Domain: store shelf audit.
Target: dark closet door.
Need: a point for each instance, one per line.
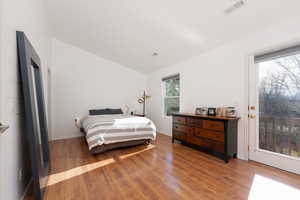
(35, 113)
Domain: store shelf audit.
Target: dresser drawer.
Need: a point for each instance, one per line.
(179, 120)
(213, 135)
(179, 135)
(194, 122)
(213, 125)
(182, 128)
(206, 143)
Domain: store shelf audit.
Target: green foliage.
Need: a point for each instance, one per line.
(171, 105)
(171, 100)
(172, 88)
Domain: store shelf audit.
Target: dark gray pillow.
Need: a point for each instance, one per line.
(107, 111)
(115, 111)
(98, 112)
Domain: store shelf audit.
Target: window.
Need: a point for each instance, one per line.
(279, 101)
(171, 86)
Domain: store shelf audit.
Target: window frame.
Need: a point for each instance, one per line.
(164, 95)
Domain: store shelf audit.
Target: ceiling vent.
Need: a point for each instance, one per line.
(234, 7)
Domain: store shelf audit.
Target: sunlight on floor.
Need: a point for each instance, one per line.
(150, 146)
(62, 176)
(265, 188)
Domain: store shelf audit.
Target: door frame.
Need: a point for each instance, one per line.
(250, 63)
(49, 102)
(2, 171)
(2, 93)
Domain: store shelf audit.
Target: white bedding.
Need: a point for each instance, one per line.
(107, 129)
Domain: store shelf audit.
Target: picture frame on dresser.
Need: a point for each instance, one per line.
(211, 112)
(215, 135)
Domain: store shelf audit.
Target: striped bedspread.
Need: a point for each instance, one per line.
(107, 129)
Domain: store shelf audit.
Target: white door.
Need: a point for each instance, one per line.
(274, 110)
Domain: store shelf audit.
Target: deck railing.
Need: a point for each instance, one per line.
(280, 134)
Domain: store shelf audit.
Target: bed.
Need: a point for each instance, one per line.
(109, 131)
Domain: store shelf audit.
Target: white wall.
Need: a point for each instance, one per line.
(28, 16)
(2, 154)
(219, 77)
(82, 81)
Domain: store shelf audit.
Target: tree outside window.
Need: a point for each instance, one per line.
(171, 95)
(279, 105)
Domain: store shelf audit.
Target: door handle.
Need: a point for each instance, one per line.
(252, 116)
(251, 107)
(3, 127)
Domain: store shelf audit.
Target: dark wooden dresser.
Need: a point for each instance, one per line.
(212, 134)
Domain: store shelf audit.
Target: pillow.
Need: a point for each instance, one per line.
(99, 112)
(115, 111)
(107, 111)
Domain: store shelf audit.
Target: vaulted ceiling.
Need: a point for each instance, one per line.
(130, 31)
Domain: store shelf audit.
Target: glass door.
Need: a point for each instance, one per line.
(274, 111)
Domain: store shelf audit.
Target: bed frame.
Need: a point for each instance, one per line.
(117, 145)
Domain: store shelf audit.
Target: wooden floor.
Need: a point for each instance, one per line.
(160, 171)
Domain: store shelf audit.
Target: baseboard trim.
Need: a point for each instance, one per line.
(66, 137)
(164, 133)
(26, 189)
